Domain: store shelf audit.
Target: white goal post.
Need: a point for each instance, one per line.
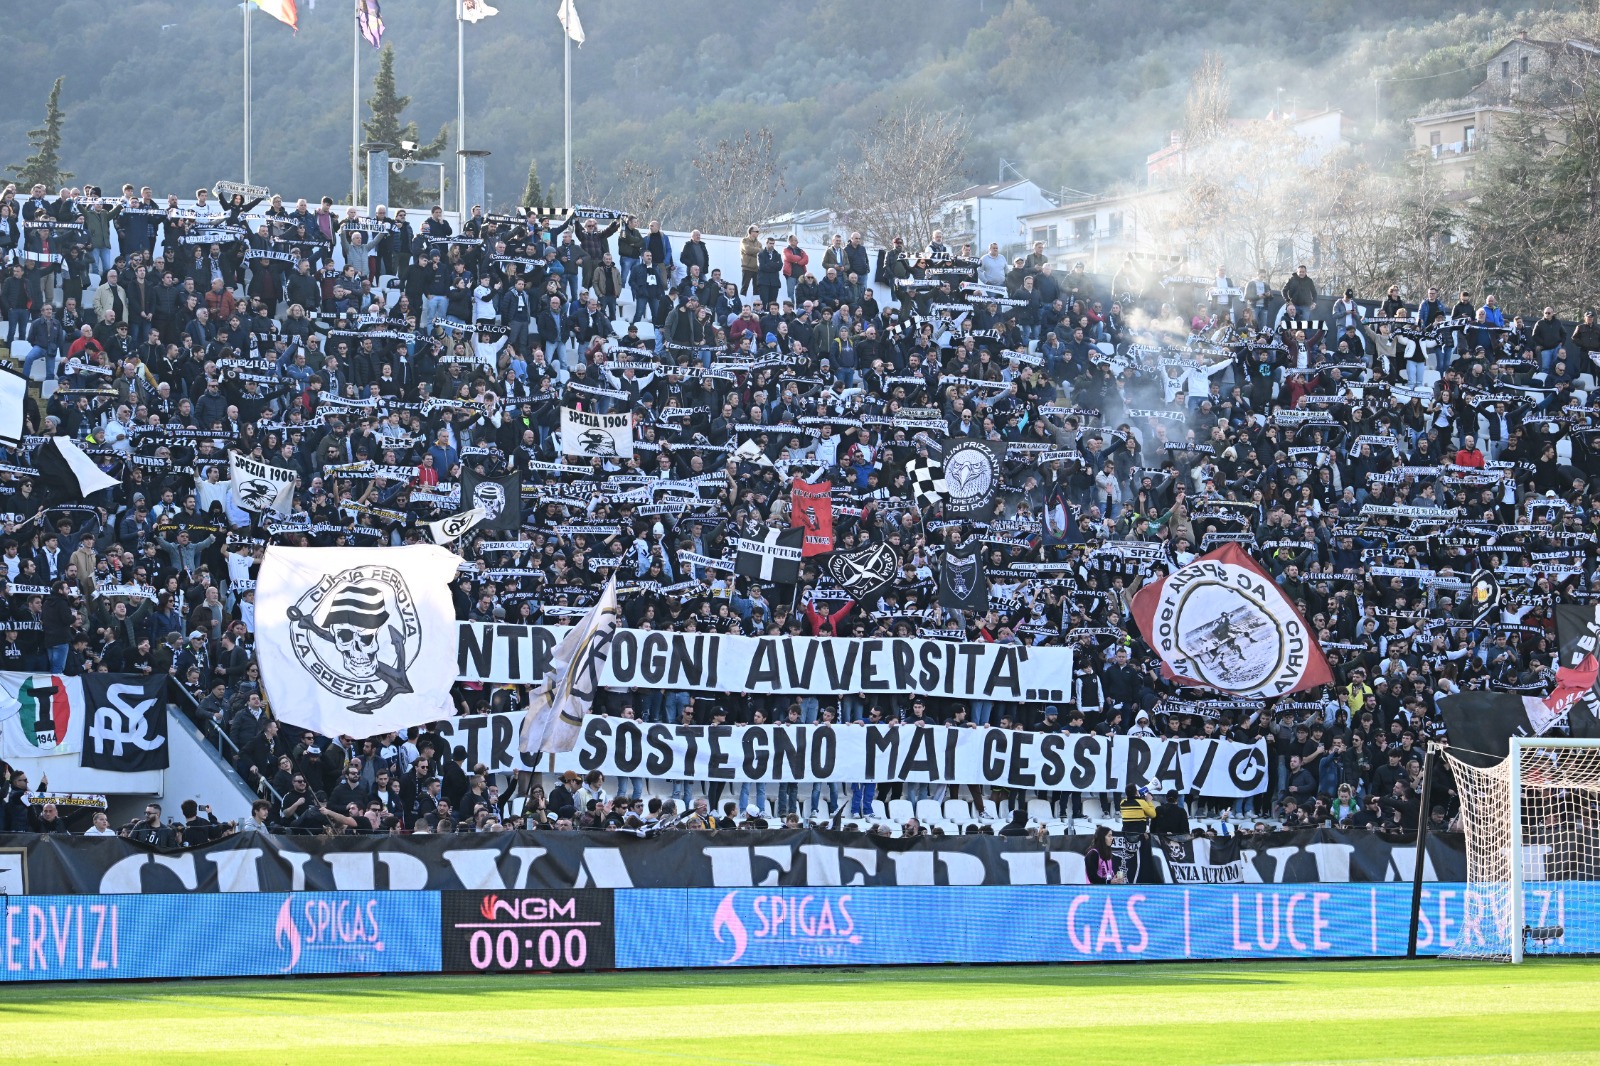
(1532, 825)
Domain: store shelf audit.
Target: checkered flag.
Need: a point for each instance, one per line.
(927, 480)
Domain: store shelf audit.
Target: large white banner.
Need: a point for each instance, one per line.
(850, 754)
(710, 662)
(357, 640)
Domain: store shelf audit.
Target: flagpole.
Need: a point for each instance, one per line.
(461, 114)
(566, 38)
(247, 6)
(355, 106)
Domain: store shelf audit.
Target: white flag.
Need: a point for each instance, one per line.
(474, 10)
(554, 718)
(13, 402)
(446, 530)
(570, 21)
(585, 434)
(259, 486)
(357, 641)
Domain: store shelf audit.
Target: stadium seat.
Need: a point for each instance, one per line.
(929, 811)
(879, 811)
(900, 810)
(958, 810)
(1039, 810)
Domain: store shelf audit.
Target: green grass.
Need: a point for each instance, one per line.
(1544, 1013)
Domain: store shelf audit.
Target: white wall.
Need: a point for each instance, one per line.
(198, 773)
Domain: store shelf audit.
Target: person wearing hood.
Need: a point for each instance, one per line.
(1141, 725)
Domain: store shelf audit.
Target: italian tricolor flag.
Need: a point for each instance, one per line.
(282, 10)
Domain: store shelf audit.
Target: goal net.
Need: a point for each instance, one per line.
(1532, 824)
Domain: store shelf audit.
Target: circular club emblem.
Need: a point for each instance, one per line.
(357, 632)
(491, 496)
(1227, 627)
(970, 475)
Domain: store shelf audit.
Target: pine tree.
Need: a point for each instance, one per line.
(43, 167)
(386, 105)
(533, 193)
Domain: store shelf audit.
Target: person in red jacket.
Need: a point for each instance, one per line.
(1469, 455)
(826, 626)
(795, 260)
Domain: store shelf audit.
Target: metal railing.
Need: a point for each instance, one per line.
(216, 735)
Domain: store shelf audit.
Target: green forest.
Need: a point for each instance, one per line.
(1073, 95)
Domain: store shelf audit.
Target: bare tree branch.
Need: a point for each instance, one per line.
(905, 166)
(739, 181)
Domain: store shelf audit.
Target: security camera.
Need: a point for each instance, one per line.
(408, 146)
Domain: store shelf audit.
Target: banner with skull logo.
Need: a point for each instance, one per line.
(500, 499)
(357, 640)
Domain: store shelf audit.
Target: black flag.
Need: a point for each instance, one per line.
(865, 572)
(1480, 725)
(500, 498)
(125, 722)
(963, 586)
(772, 558)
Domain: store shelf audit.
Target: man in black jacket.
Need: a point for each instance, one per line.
(1170, 817)
(1548, 335)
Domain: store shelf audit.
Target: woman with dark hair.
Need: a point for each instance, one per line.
(1100, 862)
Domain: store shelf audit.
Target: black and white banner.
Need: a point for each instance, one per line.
(58, 864)
(356, 641)
(500, 499)
(773, 558)
(260, 487)
(865, 572)
(1201, 860)
(1047, 762)
(501, 653)
(125, 722)
(963, 586)
(585, 434)
(972, 477)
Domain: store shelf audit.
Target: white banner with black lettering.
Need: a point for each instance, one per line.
(710, 662)
(850, 754)
(585, 434)
(259, 486)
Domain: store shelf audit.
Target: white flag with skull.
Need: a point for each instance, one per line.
(357, 641)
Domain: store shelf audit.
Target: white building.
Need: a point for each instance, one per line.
(992, 214)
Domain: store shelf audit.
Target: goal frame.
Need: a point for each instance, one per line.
(1518, 894)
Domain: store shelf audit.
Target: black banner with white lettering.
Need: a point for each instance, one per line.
(56, 864)
(125, 722)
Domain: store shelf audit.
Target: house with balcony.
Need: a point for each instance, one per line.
(1456, 133)
(981, 215)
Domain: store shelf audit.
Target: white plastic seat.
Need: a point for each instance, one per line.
(900, 811)
(1039, 810)
(878, 811)
(957, 810)
(929, 812)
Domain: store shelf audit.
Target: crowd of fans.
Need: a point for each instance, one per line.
(1145, 419)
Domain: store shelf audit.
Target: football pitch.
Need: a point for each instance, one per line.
(1545, 1012)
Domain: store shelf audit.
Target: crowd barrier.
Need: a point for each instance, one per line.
(53, 938)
